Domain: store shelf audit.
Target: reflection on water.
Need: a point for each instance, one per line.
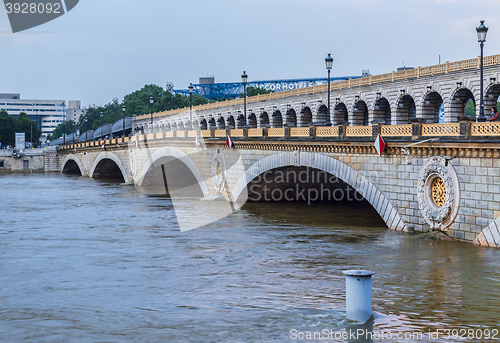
(92, 261)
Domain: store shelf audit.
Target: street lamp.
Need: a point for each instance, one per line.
(123, 109)
(481, 38)
(101, 126)
(244, 79)
(190, 87)
(151, 101)
(329, 64)
(64, 124)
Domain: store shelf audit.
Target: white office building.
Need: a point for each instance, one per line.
(47, 114)
(75, 110)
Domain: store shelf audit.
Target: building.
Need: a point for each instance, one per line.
(47, 114)
(75, 110)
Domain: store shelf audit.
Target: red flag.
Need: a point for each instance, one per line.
(229, 142)
(379, 144)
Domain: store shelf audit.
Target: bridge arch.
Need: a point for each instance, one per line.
(431, 106)
(382, 111)
(230, 122)
(252, 121)
(203, 124)
(349, 175)
(359, 114)
(211, 123)
(70, 163)
(458, 102)
(263, 119)
(340, 113)
(221, 123)
(171, 152)
(321, 113)
(491, 97)
(105, 159)
(291, 117)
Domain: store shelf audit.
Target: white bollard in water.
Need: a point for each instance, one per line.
(358, 294)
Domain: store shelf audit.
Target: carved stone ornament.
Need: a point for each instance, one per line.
(133, 163)
(438, 192)
(219, 171)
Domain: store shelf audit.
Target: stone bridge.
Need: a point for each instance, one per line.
(450, 183)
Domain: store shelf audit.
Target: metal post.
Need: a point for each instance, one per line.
(481, 118)
(358, 295)
(123, 109)
(328, 122)
(101, 126)
(191, 109)
(244, 104)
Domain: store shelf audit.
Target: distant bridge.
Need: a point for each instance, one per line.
(233, 90)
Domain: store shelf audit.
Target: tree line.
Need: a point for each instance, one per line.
(10, 125)
(137, 103)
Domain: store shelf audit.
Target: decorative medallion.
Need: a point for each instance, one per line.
(219, 171)
(438, 192)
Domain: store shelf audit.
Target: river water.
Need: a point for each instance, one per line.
(83, 260)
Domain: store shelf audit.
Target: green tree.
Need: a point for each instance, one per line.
(7, 129)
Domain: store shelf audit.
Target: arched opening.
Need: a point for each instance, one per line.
(462, 104)
(230, 122)
(382, 111)
(340, 113)
(108, 169)
(203, 124)
(263, 120)
(221, 123)
(180, 126)
(305, 117)
(491, 99)
(211, 124)
(276, 119)
(291, 117)
(431, 107)
(252, 121)
(406, 110)
(169, 176)
(71, 167)
(360, 114)
(320, 118)
(240, 121)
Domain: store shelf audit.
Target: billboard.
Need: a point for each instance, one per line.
(20, 141)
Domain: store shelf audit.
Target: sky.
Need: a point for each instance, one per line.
(105, 49)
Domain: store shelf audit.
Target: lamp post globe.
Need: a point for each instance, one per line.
(481, 30)
(329, 65)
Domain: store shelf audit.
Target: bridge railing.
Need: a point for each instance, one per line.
(444, 68)
(464, 130)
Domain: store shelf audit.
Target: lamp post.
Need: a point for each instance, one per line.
(329, 64)
(481, 38)
(244, 79)
(151, 101)
(123, 109)
(101, 126)
(190, 87)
